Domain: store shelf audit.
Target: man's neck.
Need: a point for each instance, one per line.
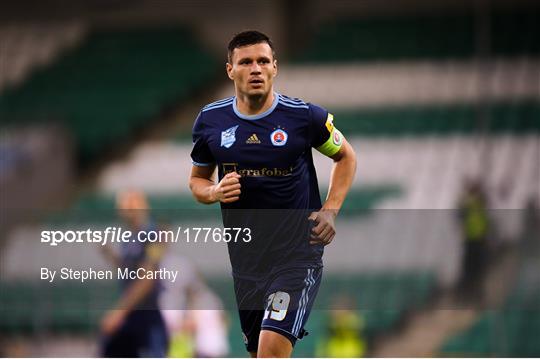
(254, 105)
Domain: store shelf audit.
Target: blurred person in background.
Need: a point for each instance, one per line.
(261, 143)
(344, 333)
(135, 327)
(194, 315)
(474, 222)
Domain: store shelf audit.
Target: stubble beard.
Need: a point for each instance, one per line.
(258, 96)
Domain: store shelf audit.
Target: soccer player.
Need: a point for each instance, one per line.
(261, 141)
(135, 328)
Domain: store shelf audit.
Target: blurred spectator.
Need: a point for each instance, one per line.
(344, 337)
(135, 328)
(194, 315)
(474, 222)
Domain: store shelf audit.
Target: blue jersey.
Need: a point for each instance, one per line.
(133, 254)
(272, 151)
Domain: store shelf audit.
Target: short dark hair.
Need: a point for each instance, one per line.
(245, 38)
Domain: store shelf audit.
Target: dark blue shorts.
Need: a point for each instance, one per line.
(281, 304)
(143, 334)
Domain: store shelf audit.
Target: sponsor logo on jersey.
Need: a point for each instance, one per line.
(279, 137)
(228, 137)
(330, 123)
(253, 140)
(257, 172)
(229, 167)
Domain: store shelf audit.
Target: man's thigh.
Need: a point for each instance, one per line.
(250, 302)
(289, 299)
(281, 305)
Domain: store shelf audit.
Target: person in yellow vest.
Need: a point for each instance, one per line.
(344, 337)
(474, 220)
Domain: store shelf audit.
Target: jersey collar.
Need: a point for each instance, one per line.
(259, 115)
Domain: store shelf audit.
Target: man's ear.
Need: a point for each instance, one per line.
(228, 68)
(275, 68)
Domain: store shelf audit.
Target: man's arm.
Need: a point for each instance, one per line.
(205, 190)
(135, 294)
(110, 255)
(341, 178)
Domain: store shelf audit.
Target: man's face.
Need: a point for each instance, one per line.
(132, 208)
(252, 69)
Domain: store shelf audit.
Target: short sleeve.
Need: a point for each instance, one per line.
(200, 154)
(319, 131)
(324, 136)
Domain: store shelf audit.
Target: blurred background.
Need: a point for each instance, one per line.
(437, 251)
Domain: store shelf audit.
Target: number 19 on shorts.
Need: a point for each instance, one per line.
(277, 306)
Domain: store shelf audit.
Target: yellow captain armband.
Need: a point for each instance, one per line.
(333, 144)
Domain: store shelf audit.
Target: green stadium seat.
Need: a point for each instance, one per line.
(74, 308)
(510, 331)
(418, 37)
(511, 118)
(111, 85)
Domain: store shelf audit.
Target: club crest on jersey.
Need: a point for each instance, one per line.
(279, 137)
(228, 137)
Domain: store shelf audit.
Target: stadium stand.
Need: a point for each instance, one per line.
(36, 166)
(504, 332)
(429, 159)
(362, 199)
(512, 329)
(405, 91)
(425, 37)
(26, 48)
(383, 298)
(509, 119)
(412, 83)
(109, 86)
(66, 308)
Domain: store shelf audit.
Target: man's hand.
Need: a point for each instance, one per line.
(228, 189)
(325, 229)
(112, 321)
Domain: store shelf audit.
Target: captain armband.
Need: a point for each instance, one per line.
(333, 144)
